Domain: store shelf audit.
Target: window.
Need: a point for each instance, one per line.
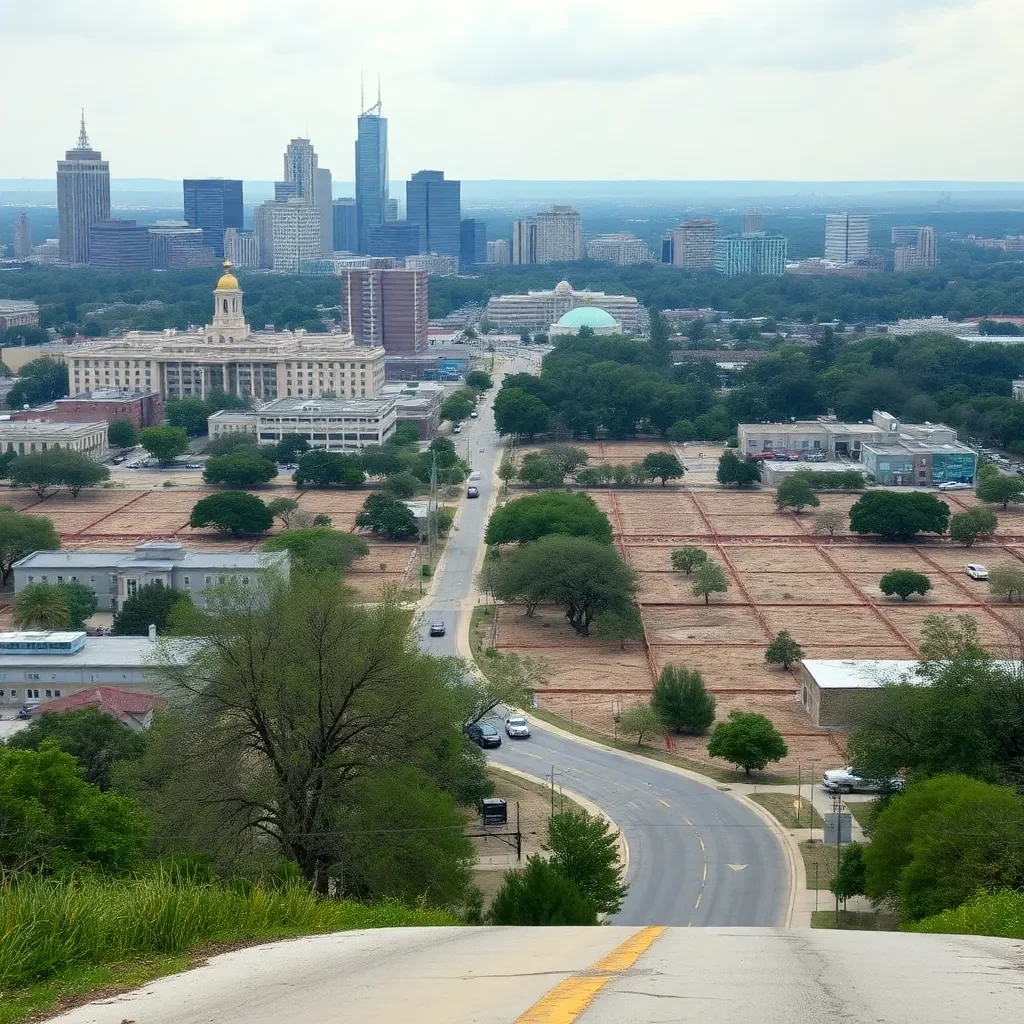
(32, 694)
(131, 586)
(45, 579)
(208, 581)
(49, 693)
(60, 579)
(14, 693)
(56, 693)
(92, 580)
(186, 582)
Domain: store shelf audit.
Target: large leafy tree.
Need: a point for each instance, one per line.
(319, 468)
(20, 535)
(319, 547)
(150, 605)
(899, 516)
(520, 413)
(734, 470)
(56, 468)
(387, 517)
(246, 468)
(709, 579)
(584, 849)
(234, 512)
(904, 582)
(748, 740)
(458, 405)
(122, 434)
(54, 606)
(795, 493)
(783, 650)
(39, 381)
(682, 702)
(685, 560)
(663, 466)
(190, 414)
(998, 489)
(540, 515)
(967, 527)
(165, 444)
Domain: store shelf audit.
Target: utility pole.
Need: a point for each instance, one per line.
(552, 778)
(431, 509)
(837, 807)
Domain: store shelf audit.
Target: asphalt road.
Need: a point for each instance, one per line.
(590, 976)
(697, 856)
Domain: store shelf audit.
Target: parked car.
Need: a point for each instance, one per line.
(483, 735)
(473, 415)
(517, 727)
(849, 780)
(816, 456)
(763, 455)
(977, 572)
(954, 485)
(437, 629)
(24, 713)
(475, 475)
(457, 429)
(472, 492)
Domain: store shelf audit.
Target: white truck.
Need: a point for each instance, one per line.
(850, 780)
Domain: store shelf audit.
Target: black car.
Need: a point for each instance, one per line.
(472, 492)
(483, 735)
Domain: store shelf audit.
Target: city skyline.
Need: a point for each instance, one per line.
(758, 77)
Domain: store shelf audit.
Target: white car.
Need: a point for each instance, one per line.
(954, 485)
(517, 727)
(977, 572)
(848, 780)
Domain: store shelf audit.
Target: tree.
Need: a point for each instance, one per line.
(967, 527)
(55, 822)
(39, 381)
(795, 492)
(851, 878)
(682, 702)
(663, 466)
(284, 509)
(234, 512)
(507, 470)
(122, 434)
(828, 520)
(640, 720)
(539, 471)
(709, 579)
(1007, 581)
(734, 470)
(942, 840)
(165, 444)
(405, 435)
(225, 444)
(511, 681)
(584, 850)
(381, 460)
(319, 468)
(904, 582)
(566, 458)
(217, 399)
(685, 560)
(458, 405)
(20, 535)
(998, 489)
(441, 519)
(387, 517)
(519, 413)
(896, 516)
(541, 515)
(443, 450)
(319, 548)
(480, 380)
(748, 740)
(245, 468)
(783, 650)
(540, 895)
(42, 606)
(56, 468)
(620, 627)
(190, 414)
(402, 485)
(150, 605)
(290, 447)
(92, 737)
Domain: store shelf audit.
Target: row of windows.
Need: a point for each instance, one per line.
(106, 362)
(32, 694)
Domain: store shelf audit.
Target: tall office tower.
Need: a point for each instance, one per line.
(242, 248)
(83, 197)
(922, 255)
(846, 237)
(386, 307)
(622, 248)
(391, 210)
(285, 190)
(22, 235)
(473, 242)
(120, 245)
(213, 204)
(262, 228)
(905, 235)
(751, 253)
(693, 244)
(524, 241)
(346, 231)
(294, 234)
(324, 203)
(667, 248)
(434, 206)
(753, 221)
(300, 167)
(559, 235)
(927, 248)
(371, 172)
(498, 252)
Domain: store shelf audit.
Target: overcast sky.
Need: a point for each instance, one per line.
(681, 89)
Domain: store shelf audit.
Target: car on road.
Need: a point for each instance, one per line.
(473, 415)
(475, 475)
(483, 735)
(457, 429)
(517, 727)
(437, 629)
(850, 780)
(976, 571)
(483, 449)
(954, 485)
(472, 492)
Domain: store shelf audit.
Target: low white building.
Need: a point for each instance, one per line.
(27, 437)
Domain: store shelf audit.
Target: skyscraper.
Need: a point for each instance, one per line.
(394, 238)
(473, 243)
(750, 253)
(120, 245)
(288, 232)
(846, 237)
(324, 201)
(559, 236)
(300, 167)
(693, 244)
(391, 210)
(386, 307)
(927, 247)
(285, 190)
(371, 172)
(524, 241)
(922, 255)
(498, 251)
(346, 231)
(753, 222)
(434, 206)
(83, 197)
(213, 204)
(22, 235)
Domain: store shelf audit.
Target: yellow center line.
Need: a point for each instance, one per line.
(567, 1000)
(664, 803)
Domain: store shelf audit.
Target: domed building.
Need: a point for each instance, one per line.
(600, 321)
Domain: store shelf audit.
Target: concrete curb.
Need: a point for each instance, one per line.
(796, 862)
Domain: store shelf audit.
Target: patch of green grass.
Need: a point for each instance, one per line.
(989, 913)
(783, 806)
(858, 920)
(819, 862)
(862, 810)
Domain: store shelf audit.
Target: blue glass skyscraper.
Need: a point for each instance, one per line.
(213, 204)
(435, 206)
(371, 173)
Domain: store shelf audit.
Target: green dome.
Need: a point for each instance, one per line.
(587, 316)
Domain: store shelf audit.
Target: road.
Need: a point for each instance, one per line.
(588, 975)
(697, 856)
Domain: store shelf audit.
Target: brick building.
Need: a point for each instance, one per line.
(386, 308)
(144, 409)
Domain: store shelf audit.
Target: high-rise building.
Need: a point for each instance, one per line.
(120, 245)
(396, 238)
(288, 232)
(927, 247)
(846, 237)
(905, 235)
(177, 245)
(285, 190)
(922, 255)
(667, 248)
(325, 204)
(621, 248)
(346, 230)
(473, 242)
(242, 248)
(213, 204)
(300, 167)
(693, 244)
(22, 235)
(559, 235)
(759, 255)
(435, 265)
(391, 210)
(386, 307)
(434, 206)
(524, 241)
(83, 197)
(498, 252)
(371, 172)
(753, 221)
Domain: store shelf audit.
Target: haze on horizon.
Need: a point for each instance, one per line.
(713, 89)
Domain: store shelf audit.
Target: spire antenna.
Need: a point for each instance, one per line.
(83, 138)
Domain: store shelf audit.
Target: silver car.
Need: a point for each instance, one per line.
(517, 727)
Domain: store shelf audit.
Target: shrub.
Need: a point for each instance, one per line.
(682, 702)
(748, 740)
(904, 582)
(540, 895)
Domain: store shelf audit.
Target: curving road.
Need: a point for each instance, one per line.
(697, 855)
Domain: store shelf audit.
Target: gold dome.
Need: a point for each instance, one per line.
(228, 281)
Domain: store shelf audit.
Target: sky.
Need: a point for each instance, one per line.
(811, 90)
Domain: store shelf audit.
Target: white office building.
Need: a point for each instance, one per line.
(846, 237)
(498, 252)
(536, 311)
(242, 248)
(435, 264)
(621, 248)
(559, 235)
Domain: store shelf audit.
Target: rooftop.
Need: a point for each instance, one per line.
(152, 555)
(104, 652)
(109, 395)
(60, 429)
(832, 674)
(588, 316)
(330, 406)
(921, 447)
(125, 705)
